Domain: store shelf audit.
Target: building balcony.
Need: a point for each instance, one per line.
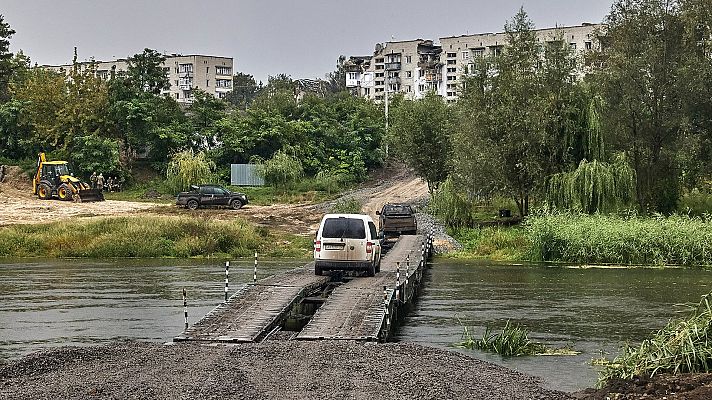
(184, 87)
(394, 80)
(393, 66)
(185, 74)
(429, 64)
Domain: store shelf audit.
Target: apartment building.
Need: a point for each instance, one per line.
(185, 73)
(414, 67)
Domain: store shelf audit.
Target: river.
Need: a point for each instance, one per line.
(595, 310)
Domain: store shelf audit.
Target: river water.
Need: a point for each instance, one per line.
(595, 310)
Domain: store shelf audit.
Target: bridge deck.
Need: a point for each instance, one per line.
(254, 310)
(355, 310)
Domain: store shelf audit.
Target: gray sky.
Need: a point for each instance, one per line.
(300, 38)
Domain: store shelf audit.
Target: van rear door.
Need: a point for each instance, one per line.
(343, 239)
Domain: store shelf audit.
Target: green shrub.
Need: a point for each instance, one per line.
(681, 346)
(513, 340)
(282, 170)
(187, 168)
(696, 204)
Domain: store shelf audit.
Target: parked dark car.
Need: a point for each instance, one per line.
(210, 196)
(397, 219)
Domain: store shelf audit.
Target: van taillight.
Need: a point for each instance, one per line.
(369, 247)
(317, 245)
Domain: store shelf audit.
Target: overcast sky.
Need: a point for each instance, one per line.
(302, 38)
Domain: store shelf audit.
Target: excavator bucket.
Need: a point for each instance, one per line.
(89, 195)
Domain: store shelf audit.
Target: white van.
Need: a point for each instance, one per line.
(347, 242)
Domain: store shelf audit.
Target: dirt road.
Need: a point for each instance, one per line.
(19, 206)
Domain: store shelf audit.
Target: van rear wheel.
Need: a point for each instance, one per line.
(317, 270)
(371, 271)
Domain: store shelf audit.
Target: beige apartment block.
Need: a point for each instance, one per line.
(414, 67)
(460, 52)
(411, 67)
(185, 73)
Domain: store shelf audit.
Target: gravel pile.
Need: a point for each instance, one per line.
(444, 243)
(269, 370)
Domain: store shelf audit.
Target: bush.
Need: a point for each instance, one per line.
(346, 206)
(282, 170)
(696, 204)
(681, 346)
(513, 340)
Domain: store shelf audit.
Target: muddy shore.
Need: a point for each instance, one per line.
(269, 370)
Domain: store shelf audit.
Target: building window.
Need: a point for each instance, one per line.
(451, 70)
(451, 55)
(367, 91)
(478, 52)
(407, 89)
(450, 94)
(182, 68)
(451, 62)
(223, 70)
(408, 74)
(379, 60)
(465, 55)
(588, 45)
(207, 83)
(177, 95)
(379, 74)
(421, 73)
(222, 83)
(408, 59)
(353, 75)
(421, 88)
(573, 46)
(451, 78)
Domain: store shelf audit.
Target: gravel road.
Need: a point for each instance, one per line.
(269, 370)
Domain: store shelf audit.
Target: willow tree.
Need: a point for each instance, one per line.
(188, 168)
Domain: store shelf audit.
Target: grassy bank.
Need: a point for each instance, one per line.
(595, 239)
(144, 236)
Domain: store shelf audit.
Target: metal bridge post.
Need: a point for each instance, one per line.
(185, 308)
(398, 280)
(227, 275)
(385, 305)
(254, 274)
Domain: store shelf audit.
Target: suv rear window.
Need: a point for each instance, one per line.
(347, 228)
(397, 209)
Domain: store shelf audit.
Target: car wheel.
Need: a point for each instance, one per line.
(236, 204)
(378, 266)
(371, 270)
(317, 270)
(192, 204)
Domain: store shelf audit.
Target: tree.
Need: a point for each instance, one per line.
(94, 153)
(420, 136)
(501, 134)
(244, 90)
(643, 92)
(337, 79)
(204, 114)
(145, 72)
(188, 168)
(6, 65)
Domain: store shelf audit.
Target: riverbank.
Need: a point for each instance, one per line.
(594, 239)
(149, 236)
(270, 370)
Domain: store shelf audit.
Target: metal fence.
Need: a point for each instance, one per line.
(245, 175)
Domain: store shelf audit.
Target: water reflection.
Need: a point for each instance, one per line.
(595, 310)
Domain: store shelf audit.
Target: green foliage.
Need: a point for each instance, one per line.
(244, 90)
(492, 243)
(681, 346)
(597, 239)
(188, 168)
(593, 187)
(146, 236)
(145, 72)
(420, 136)
(96, 154)
(696, 204)
(346, 206)
(282, 170)
(512, 341)
(451, 206)
(5, 58)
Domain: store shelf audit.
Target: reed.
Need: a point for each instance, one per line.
(494, 243)
(624, 240)
(145, 236)
(513, 340)
(683, 345)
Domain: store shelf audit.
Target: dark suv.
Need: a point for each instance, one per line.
(210, 196)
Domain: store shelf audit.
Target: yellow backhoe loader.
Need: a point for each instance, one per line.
(54, 179)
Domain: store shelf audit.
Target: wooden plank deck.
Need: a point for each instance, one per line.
(254, 310)
(356, 310)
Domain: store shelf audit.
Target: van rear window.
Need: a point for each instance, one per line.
(347, 228)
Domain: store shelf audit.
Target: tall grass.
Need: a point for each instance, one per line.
(674, 240)
(346, 206)
(513, 340)
(683, 345)
(496, 243)
(144, 236)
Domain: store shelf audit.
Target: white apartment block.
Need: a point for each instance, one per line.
(185, 73)
(417, 66)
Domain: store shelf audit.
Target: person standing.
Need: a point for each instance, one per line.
(110, 184)
(92, 179)
(100, 182)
